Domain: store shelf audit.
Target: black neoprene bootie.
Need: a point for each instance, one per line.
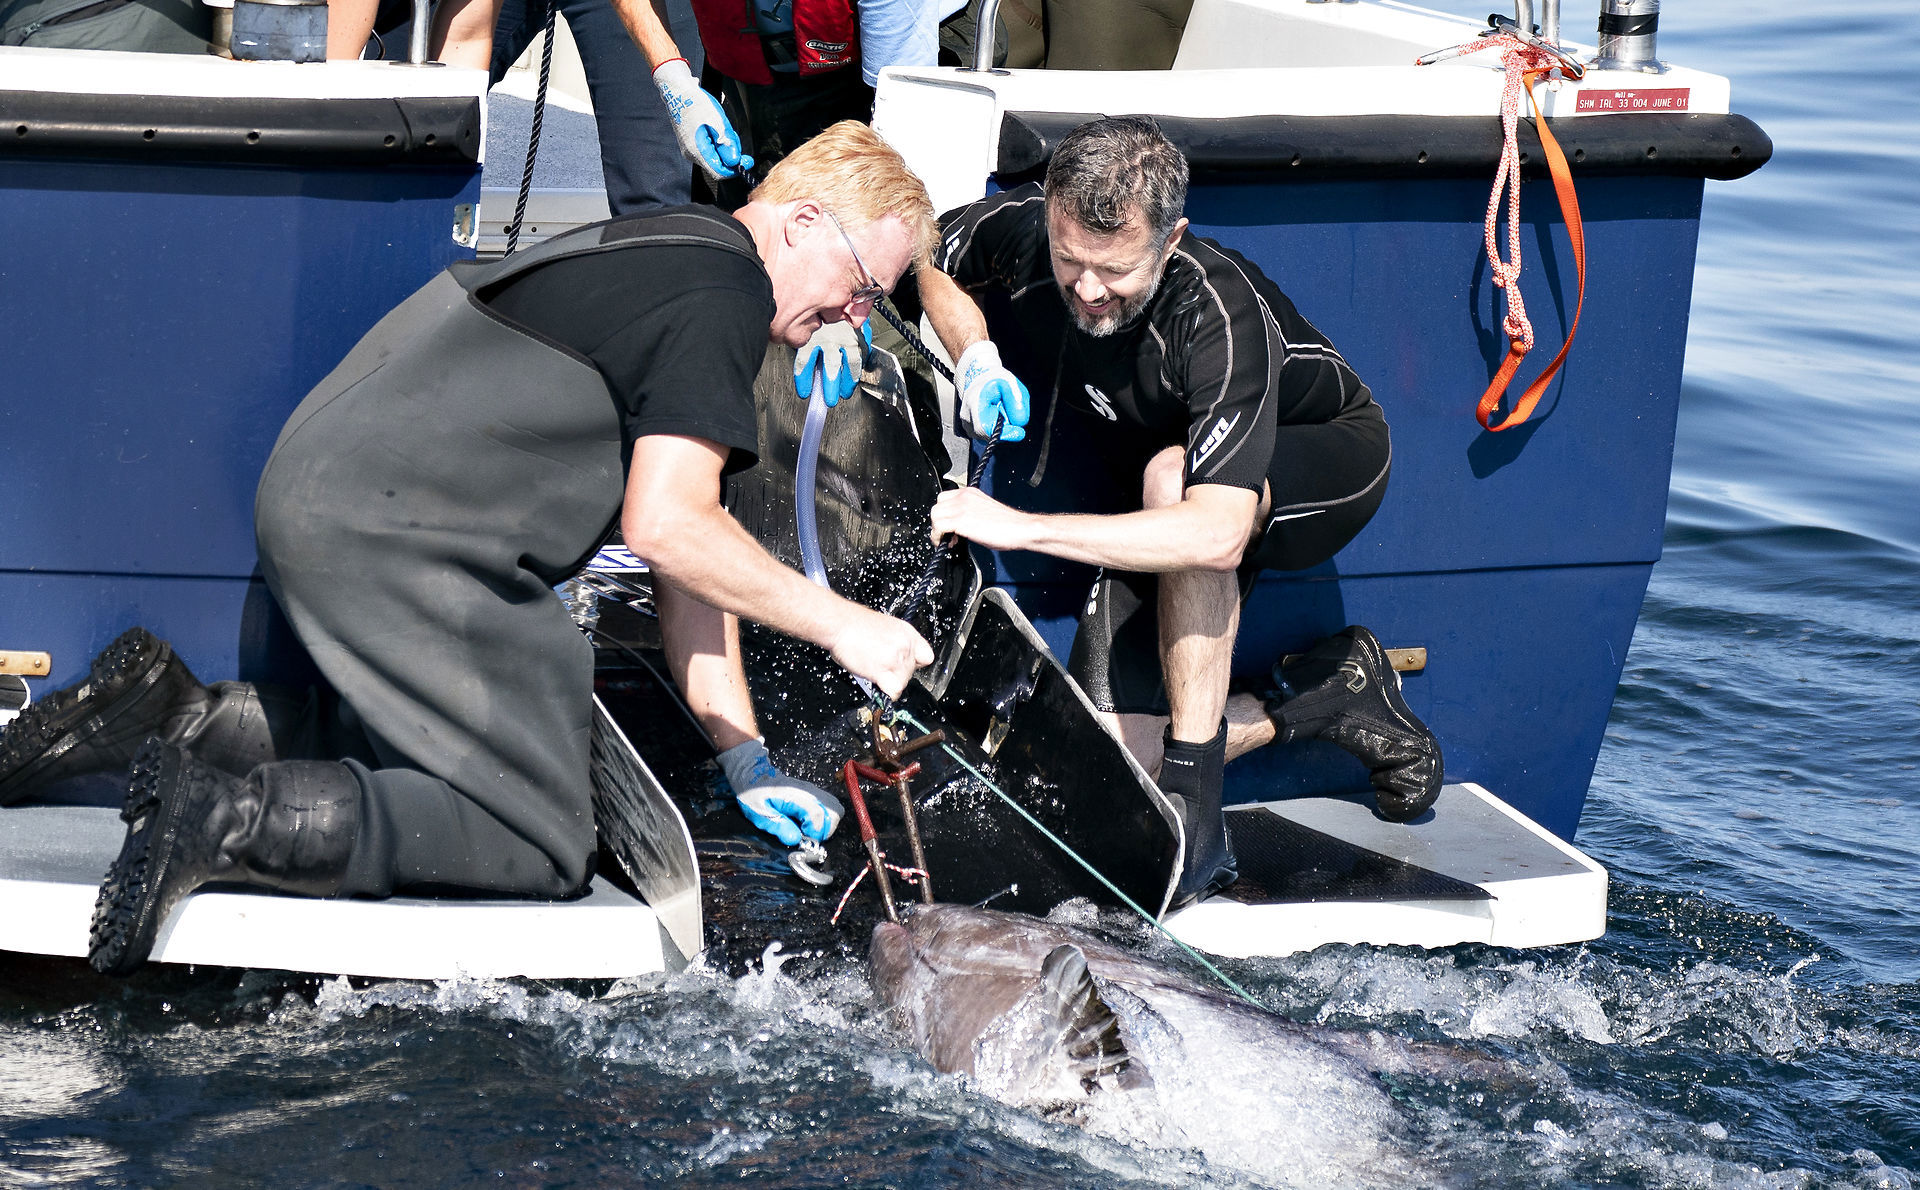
(289, 827)
(1191, 775)
(1344, 691)
(136, 688)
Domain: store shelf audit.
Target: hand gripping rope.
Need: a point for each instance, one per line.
(915, 595)
(1525, 58)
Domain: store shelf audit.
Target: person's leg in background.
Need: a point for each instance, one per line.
(639, 157)
(463, 32)
(793, 109)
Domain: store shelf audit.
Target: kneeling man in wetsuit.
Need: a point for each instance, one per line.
(472, 451)
(1241, 440)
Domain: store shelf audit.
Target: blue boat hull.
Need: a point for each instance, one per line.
(169, 311)
(163, 320)
(1517, 559)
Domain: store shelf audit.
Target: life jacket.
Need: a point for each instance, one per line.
(826, 36)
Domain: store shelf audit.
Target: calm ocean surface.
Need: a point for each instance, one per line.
(1752, 1017)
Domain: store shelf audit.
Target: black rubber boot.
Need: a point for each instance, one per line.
(136, 688)
(1191, 775)
(241, 726)
(288, 827)
(1344, 690)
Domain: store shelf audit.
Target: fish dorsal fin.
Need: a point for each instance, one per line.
(1082, 1026)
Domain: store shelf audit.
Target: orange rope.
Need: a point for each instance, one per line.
(1524, 63)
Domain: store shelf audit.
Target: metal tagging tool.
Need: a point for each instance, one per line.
(809, 862)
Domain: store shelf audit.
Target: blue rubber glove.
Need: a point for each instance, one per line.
(785, 807)
(706, 138)
(840, 354)
(988, 391)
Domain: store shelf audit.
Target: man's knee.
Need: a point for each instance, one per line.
(1164, 483)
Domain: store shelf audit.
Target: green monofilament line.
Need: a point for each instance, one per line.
(1057, 841)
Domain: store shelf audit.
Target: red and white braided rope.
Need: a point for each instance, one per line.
(910, 875)
(1518, 58)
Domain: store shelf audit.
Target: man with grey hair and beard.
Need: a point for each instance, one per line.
(1235, 438)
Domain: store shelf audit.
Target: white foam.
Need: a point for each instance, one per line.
(1225, 1107)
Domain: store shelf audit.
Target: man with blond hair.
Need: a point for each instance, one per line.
(473, 450)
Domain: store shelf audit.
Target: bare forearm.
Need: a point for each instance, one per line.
(956, 317)
(672, 518)
(1152, 541)
(349, 24)
(1204, 532)
(646, 22)
(705, 550)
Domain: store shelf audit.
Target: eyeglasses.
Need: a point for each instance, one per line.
(872, 291)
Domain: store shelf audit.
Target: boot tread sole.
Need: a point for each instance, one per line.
(124, 925)
(50, 728)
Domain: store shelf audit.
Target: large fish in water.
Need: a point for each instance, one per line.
(1039, 1014)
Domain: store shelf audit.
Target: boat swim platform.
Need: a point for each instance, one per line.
(53, 857)
(1315, 871)
(1319, 870)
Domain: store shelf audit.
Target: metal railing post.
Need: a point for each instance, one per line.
(1629, 30)
(984, 35)
(422, 25)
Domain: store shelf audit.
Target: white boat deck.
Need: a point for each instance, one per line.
(1541, 891)
(53, 858)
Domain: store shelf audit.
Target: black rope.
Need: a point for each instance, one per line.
(923, 586)
(533, 134)
(913, 340)
(909, 604)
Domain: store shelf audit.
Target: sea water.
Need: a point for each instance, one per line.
(1751, 1018)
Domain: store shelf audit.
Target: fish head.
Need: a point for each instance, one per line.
(1003, 997)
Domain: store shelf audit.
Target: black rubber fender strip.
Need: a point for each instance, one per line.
(1397, 146)
(1614, 24)
(430, 130)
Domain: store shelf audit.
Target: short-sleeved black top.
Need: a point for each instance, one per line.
(677, 330)
(1217, 360)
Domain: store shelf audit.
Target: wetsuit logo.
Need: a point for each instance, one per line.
(1101, 404)
(1215, 437)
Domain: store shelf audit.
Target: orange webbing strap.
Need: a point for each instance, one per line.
(1517, 348)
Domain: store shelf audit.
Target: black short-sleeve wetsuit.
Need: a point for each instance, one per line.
(1219, 361)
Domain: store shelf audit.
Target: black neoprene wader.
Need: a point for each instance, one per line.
(412, 520)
